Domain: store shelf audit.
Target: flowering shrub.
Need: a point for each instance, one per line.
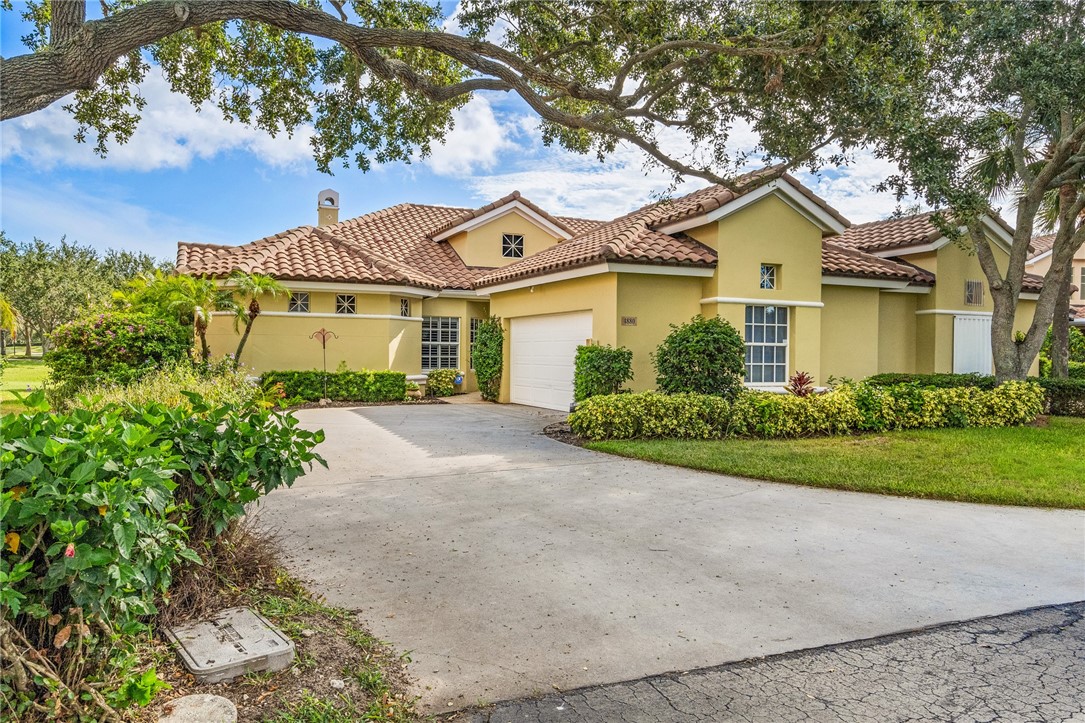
(442, 382)
(844, 410)
(100, 507)
(113, 347)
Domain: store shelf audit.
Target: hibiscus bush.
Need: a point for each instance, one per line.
(99, 510)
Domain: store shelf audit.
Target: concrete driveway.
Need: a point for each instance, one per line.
(511, 564)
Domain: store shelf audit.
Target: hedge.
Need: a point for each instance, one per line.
(1062, 397)
(361, 386)
(600, 369)
(844, 410)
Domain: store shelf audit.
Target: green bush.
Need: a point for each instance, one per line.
(101, 507)
(703, 356)
(1065, 397)
(113, 348)
(601, 370)
(487, 357)
(442, 382)
(1077, 370)
(346, 386)
(843, 410)
(943, 381)
(217, 383)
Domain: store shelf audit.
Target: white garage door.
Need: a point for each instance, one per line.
(543, 352)
(972, 344)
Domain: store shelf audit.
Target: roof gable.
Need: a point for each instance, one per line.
(512, 203)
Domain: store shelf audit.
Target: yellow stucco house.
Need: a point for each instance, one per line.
(1039, 262)
(405, 287)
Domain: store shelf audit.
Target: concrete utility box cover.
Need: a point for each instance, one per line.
(233, 642)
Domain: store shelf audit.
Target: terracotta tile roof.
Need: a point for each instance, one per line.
(837, 260)
(503, 201)
(898, 233)
(1040, 245)
(1078, 314)
(1032, 283)
(301, 254)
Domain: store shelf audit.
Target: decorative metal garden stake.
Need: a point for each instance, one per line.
(323, 335)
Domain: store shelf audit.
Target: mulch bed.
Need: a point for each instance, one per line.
(562, 432)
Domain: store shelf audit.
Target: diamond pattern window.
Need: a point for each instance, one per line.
(512, 246)
(766, 344)
(346, 304)
(404, 307)
(440, 342)
(973, 293)
(299, 302)
(768, 276)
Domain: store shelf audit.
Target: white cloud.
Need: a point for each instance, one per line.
(95, 220)
(171, 134)
(475, 142)
(850, 189)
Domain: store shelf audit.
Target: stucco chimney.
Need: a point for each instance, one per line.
(327, 207)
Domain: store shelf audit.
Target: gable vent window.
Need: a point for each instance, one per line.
(299, 302)
(973, 293)
(512, 246)
(345, 304)
(404, 307)
(768, 276)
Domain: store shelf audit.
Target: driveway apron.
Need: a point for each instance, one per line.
(510, 564)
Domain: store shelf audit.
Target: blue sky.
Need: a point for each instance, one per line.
(190, 176)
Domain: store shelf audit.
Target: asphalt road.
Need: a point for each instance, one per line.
(1026, 666)
(511, 564)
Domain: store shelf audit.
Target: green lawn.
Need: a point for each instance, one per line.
(19, 373)
(1034, 466)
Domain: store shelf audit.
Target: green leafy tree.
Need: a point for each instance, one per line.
(1011, 92)
(600, 369)
(379, 80)
(702, 356)
(188, 299)
(9, 322)
(249, 288)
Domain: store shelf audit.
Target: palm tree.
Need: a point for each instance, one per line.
(8, 322)
(192, 300)
(250, 287)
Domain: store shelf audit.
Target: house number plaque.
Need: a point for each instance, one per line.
(629, 321)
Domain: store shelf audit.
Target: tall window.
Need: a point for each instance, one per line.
(973, 293)
(766, 344)
(440, 342)
(512, 246)
(474, 334)
(345, 304)
(299, 302)
(768, 276)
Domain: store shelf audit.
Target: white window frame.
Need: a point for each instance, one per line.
(474, 323)
(440, 342)
(299, 302)
(346, 304)
(405, 307)
(759, 347)
(971, 286)
(514, 243)
(770, 273)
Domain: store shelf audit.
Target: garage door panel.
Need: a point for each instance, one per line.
(543, 352)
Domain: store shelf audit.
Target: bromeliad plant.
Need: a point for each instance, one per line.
(99, 510)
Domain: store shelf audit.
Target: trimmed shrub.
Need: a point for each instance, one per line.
(442, 382)
(100, 508)
(943, 381)
(844, 410)
(1065, 397)
(601, 370)
(703, 356)
(113, 347)
(345, 386)
(487, 357)
(1077, 370)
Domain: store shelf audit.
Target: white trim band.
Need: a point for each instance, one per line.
(357, 288)
(325, 315)
(762, 302)
(953, 312)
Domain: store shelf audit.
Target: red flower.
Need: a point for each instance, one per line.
(69, 551)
